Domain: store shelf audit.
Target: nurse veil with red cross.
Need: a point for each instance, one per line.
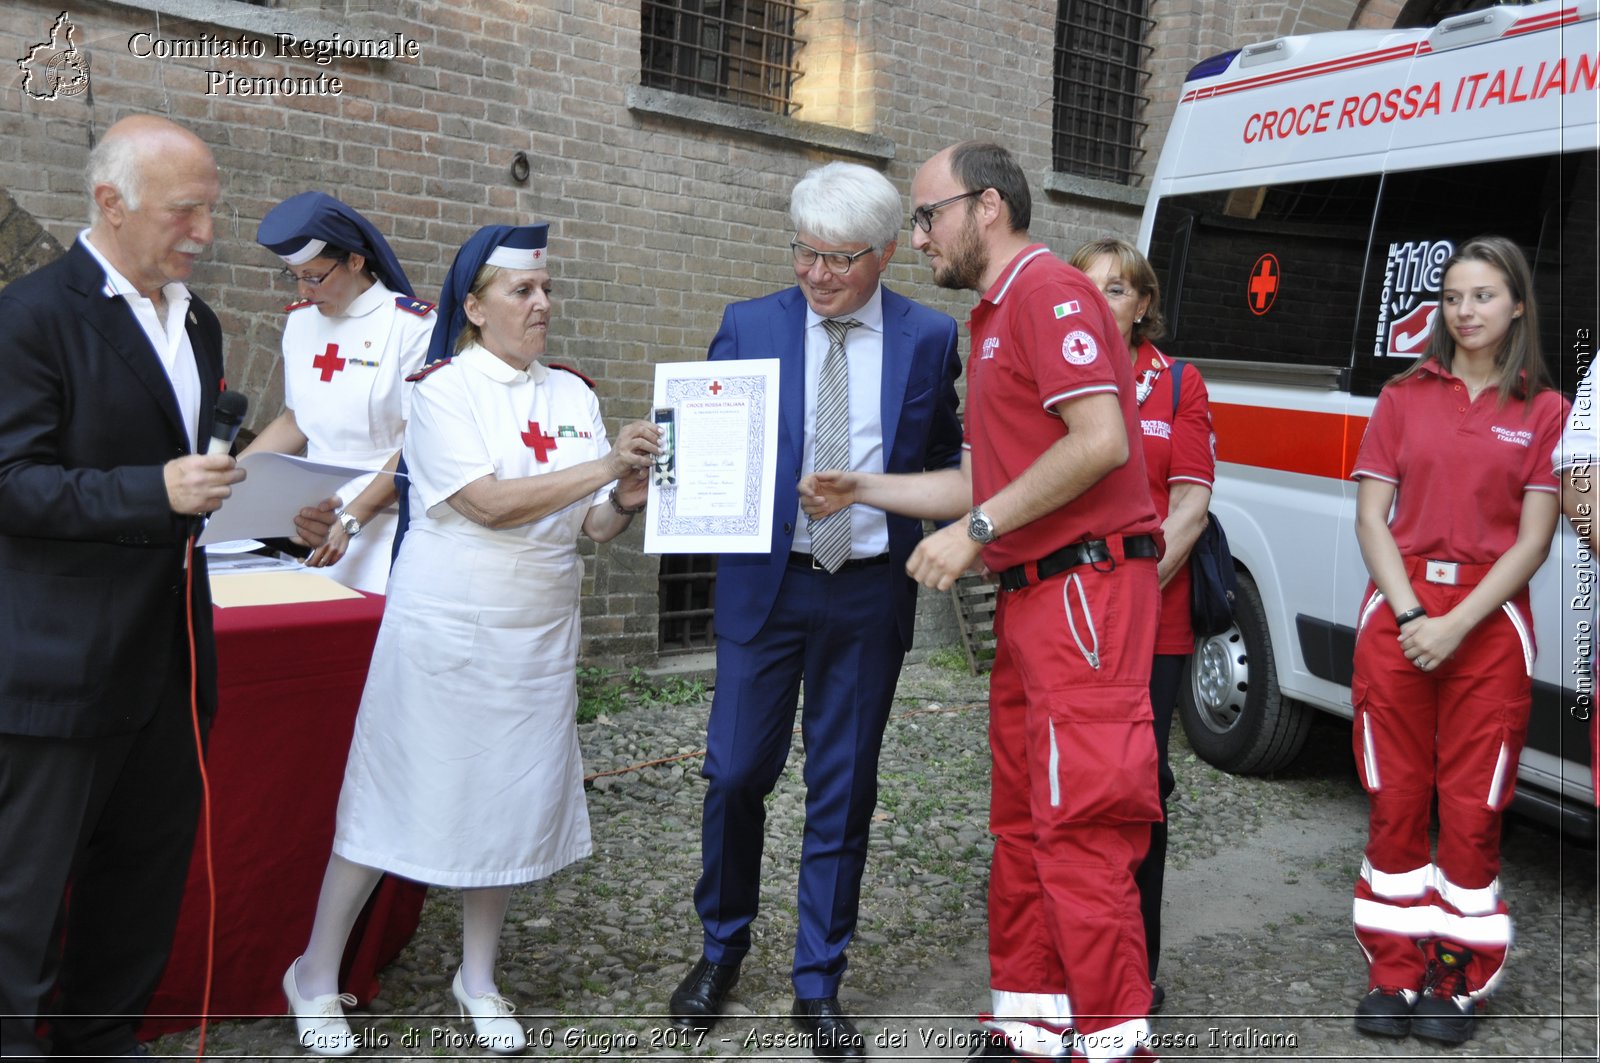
(464, 769)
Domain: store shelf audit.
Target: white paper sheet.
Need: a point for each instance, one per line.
(720, 500)
(234, 546)
(275, 488)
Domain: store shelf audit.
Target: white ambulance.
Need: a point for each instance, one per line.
(1309, 190)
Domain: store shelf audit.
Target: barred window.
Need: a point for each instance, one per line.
(688, 596)
(1099, 82)
(737, 51)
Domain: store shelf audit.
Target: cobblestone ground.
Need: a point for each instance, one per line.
(1259, 961)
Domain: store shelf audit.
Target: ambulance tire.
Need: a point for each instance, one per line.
(1232, 711)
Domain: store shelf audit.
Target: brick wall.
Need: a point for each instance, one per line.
(661, 215)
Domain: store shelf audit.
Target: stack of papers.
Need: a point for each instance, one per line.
(275, 586)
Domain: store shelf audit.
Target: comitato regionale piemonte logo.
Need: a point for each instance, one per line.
(56, 67)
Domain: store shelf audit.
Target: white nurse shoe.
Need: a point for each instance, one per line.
(491, 1018)
(319, 1022)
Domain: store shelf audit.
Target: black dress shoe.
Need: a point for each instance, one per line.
(697, 1002)
(832, 1035)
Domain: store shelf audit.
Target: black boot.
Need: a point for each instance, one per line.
(1446, 1011)
(1386, 1012)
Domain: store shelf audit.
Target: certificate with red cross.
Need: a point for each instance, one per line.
(720, 497)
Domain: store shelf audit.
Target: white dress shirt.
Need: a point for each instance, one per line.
(168, 339)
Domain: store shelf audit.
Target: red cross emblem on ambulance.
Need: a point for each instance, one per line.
(1264, 278)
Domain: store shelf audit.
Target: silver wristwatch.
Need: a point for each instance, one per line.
(351, 526)
(980, 529)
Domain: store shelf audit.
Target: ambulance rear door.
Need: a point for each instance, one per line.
(1261, 233)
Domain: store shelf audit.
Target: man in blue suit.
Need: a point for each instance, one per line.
(830, 606)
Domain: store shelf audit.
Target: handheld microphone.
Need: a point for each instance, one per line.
(225, 421)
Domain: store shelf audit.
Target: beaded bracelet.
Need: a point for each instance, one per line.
(620, 508)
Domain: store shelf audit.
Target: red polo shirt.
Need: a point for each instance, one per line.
(1043, 336)
(1178, 448)
(1461, 468)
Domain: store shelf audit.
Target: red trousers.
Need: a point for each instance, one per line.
(1456, 732)
(1075, 790)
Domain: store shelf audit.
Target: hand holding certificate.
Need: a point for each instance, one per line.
(714, 493)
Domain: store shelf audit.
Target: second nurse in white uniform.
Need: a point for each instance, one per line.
(348, 345)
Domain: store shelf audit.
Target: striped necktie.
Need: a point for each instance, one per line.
(830, 538)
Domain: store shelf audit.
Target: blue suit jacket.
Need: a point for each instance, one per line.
(921, 425)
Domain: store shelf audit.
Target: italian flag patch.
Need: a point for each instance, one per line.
(1063, 309)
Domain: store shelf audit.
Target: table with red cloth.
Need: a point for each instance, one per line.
(290, 679)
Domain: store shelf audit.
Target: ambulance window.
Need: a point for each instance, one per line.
(1564, 274)
(1270, 274)
(1425, 214)
(1346, 201)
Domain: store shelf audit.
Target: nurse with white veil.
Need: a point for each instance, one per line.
(465, 769)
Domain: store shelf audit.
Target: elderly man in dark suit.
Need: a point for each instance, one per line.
(866, 383)
(111, 372)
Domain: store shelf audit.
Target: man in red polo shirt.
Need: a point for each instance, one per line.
(1064, 517)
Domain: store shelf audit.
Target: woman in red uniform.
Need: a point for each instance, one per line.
(1181, 462)
(1458, 446)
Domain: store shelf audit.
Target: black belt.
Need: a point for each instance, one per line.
(807, 561)
(1088, 552)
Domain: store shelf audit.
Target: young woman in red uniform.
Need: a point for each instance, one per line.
(1180, 460)
(1458, 446)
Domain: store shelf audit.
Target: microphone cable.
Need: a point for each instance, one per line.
(205, 795)
(226, 419)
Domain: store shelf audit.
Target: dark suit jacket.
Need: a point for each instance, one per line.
(91, 555)
(921, 426)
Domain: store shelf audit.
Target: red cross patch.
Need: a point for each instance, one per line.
(538, 442)
(1079, 348)
(328, 362)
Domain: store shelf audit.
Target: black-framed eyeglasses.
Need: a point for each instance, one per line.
(836, 262)
(292, 277)
(922, 217)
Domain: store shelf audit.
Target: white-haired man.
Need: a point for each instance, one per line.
(867, 382)
(112, 369)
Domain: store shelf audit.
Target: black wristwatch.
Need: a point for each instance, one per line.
(980, 529)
